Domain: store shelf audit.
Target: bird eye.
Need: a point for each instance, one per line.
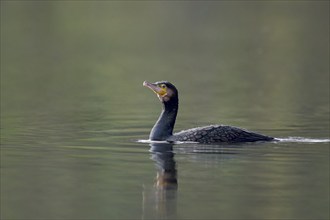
(163, 86)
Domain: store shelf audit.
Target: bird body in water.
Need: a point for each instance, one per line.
(163, 129)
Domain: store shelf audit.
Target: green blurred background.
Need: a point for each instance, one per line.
(61, 52)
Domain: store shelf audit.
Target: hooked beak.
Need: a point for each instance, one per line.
(156, 89)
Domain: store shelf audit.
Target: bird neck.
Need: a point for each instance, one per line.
(165, 123)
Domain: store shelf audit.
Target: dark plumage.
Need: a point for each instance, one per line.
(163, 129)
(218, 133)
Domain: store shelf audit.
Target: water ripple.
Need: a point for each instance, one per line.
(304, 140)
(288, 139)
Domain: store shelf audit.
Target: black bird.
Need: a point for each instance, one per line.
(163, 129)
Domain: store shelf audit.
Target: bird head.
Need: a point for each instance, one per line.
(165, 91)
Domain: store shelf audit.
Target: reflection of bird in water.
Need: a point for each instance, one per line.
(163, 155)
(163, 129)
(161, 204)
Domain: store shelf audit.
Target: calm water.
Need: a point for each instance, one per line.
(75, 117)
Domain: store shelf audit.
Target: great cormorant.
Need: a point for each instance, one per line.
(163, 129)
